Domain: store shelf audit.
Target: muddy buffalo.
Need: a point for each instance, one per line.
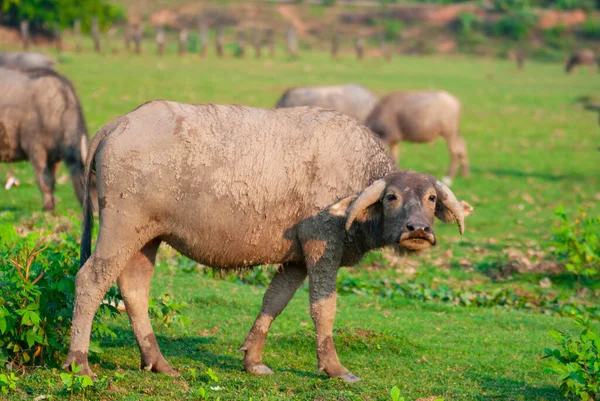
(234, 187)
(25, 60)
(353, 100)
(41, 121)
(581, 58)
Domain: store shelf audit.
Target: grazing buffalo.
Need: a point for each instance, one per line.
(41, 121)
(235, 187)
(421, 117)
(352, 100)
(24, 61)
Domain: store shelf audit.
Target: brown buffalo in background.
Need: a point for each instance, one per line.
(581, 58)
(352, 100)
(421, 116)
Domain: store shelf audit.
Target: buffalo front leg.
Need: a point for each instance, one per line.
(44, 176)
(323, 261)
(134, 283)
(322, 284)
(282, 288)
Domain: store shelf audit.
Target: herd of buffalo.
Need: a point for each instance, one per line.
(309, 185)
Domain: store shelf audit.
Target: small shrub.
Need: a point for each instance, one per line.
(586, 5)
(576, 361)
(509, 5)
(515, 25)
(466, 23)
(74, 384)
(193, 42)
(8, 383)
(577, 243)
(591, 28)
(165, 311)
(555, 37)
(392, 27)
(38, 283)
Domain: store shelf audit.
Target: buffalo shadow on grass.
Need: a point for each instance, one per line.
(191, 347)
(504, 388)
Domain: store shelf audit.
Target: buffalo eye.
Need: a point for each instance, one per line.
(391, 197)
(432, 198)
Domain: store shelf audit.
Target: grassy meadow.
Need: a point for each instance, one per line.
(532, 147)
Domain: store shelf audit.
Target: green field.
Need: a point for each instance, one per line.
(532, 147)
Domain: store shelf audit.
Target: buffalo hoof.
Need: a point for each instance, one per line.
(350, 378)
(161, 366)
(259, 369)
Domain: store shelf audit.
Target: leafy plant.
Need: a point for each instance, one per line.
(395, 394)
(43, 14)
(576, 361)
(8, 382)
(165, 311)
(591, 28)
(37, 281)
(515, 24)
(74, 384)
(467, 22)
(577, 243)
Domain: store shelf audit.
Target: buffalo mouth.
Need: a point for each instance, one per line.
(417, 241)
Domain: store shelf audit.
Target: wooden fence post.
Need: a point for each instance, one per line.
(57, 38)
(25, 38)
(203, 38)
(219, 41)
(242, 43)
(160, 40)
(138, 31)
(335, 44)
(292, 41)
(385, 51)
(257, 43)
(359, 44)
(96, 34)
(270, 38)
(183, 35)
(127, 37)
(77, 29)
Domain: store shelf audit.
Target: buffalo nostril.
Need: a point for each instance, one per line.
(426, 229)
(410, 227)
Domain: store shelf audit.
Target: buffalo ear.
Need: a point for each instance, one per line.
(370, 195)
(340, 208)
(448, 209)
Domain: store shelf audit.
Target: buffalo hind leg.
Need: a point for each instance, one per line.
(113, 250)
(134, 283)
(282, 288)
(458, 156)
(395, 148)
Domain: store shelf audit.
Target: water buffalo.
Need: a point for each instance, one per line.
(581, 57)
(24, 61)
(41, 121)
(421, 116)
(353, 100)
(235, 187)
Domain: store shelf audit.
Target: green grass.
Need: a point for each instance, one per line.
(532, 147)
